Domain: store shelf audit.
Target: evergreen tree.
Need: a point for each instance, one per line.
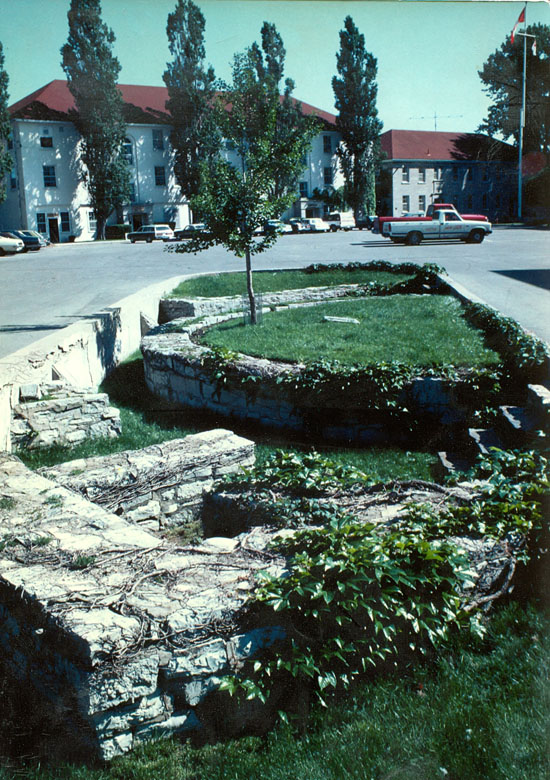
(355, 92)
(5, 128)
(92, 72)
(257, 179)
(191, 90)
(502, 76)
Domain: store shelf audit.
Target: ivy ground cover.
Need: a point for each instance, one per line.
(414, 330)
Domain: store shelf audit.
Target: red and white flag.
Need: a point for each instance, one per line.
(534, 48)
(519, 21)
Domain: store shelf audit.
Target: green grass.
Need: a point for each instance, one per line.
(415, 330)
(479, 712)
(219, 285)
(148, 420)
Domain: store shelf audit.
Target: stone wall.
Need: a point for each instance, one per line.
(110, 634)
(55, 413)
(181, 371)
(161, 485)
(177, 308)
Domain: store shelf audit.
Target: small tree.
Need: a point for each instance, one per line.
(5, 129)
(191, 90)
(355, 92)
(257, 179)
(92, 72)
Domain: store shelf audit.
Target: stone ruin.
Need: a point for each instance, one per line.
(112, 633)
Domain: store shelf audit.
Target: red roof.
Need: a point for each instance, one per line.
(433, 145)
(143, 104)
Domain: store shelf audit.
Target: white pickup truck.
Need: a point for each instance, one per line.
(445, 223)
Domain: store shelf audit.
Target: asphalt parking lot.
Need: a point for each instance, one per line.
(45, 291)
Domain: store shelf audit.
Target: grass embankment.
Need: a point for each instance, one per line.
(415, 330)
(147, 420)
(219, 285)
(480, 712)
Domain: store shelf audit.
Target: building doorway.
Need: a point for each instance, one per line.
(138, 220)
(53, 227)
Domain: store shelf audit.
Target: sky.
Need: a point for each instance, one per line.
(429, 52)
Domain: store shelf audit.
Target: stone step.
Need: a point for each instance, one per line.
(518, 425)
(452, 463)
(483, 439)
(538, 402)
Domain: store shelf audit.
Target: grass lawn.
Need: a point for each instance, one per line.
(147, 420)
(478, 712)
(415, 330)
(218, 285)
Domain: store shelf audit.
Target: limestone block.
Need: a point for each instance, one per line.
(206, 660)
(137, 678)
(178, 723)
(197, 690)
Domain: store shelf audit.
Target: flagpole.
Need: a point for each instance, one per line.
(522, 124)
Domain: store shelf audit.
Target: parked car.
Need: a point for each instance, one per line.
(151, 233)
(190, 231)
(32, 243)
(297, 225)
(42, 239)
(10, 245)
(276, 226)
(316, 225)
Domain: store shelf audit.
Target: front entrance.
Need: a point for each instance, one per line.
(138, 220)
(53, 226)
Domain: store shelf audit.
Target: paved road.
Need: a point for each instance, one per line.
(50, 289)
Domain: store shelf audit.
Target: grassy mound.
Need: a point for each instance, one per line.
(415, 330)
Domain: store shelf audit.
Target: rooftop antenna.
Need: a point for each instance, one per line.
(447, 116)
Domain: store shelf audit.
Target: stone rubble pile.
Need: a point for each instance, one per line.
(161, 485)
(55, 413)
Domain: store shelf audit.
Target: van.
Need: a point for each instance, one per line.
(340, 221)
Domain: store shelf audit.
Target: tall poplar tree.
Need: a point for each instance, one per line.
(355, 90)
(191, 90)
(92, 73)
(5, 129)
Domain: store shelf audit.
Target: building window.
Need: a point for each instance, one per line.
(127, 151)
(303, 189)
(13, 181)
(49, 175)
(46, 141)
(422, 175)
(65, 222)
(485, 175)
(41, 222)
(160, 175)
(10, 141)
(422, 203)
(405, 175)
(158, 140)
(405, 204)
(455, 173)
(484, 201)
(132, 192)
(438, 174)
(92, 222)
(470, 202)
(327, 144)
(327, 177)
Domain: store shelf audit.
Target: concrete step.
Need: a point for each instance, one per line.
(483, 439)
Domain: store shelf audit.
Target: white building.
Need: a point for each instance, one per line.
(45, 192)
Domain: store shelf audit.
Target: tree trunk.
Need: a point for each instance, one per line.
(249, 287)
(100, 228)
